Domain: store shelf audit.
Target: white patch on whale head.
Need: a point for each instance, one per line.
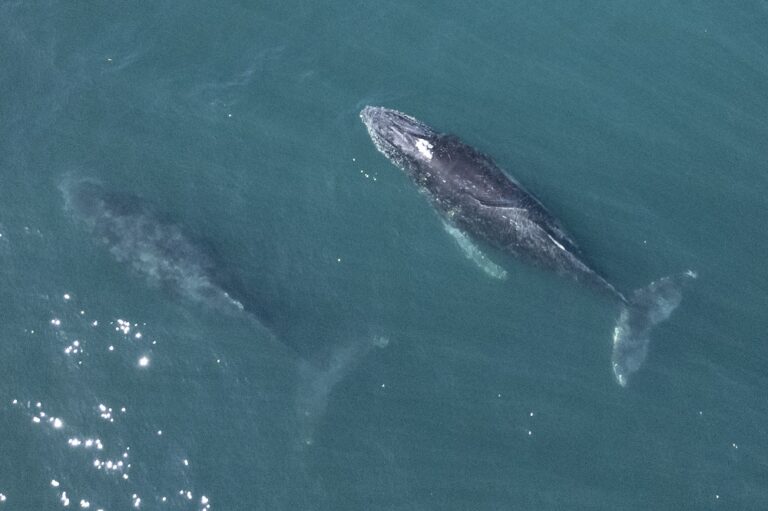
(424, 147)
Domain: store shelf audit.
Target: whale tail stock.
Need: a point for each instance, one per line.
(640, 313)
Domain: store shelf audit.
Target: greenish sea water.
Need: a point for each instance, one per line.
(419, 382)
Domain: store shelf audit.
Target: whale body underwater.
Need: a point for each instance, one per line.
(473, 195)
(154, 246)
(167, 255)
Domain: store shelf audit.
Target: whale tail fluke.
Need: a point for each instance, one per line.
(644, 309)
(317, 380)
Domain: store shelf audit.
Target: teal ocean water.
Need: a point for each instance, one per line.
(413, 381)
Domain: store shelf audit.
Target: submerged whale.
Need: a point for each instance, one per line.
(152, 245)
(165, 253)
(472, 194)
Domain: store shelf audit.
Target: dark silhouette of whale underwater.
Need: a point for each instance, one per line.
(157, 248)
(472, 194)
(167, 255)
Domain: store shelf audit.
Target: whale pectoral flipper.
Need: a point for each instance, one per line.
(474, 254)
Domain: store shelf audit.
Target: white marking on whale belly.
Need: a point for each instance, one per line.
(474, 254)
(425, 148)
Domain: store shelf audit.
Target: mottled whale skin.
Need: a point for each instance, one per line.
(473, 194)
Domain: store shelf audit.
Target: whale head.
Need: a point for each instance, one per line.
(83, 197)
(406, 141)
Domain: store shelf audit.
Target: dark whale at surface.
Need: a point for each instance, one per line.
(472, 194)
